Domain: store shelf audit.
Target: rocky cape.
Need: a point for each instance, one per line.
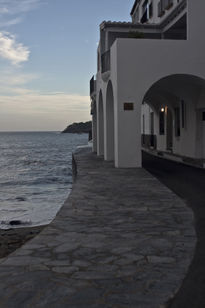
(79, 128)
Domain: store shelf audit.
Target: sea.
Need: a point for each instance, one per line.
(35, 175)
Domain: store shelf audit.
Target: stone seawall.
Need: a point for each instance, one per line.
(121, 239)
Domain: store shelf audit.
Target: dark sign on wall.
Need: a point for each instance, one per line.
(128, 106)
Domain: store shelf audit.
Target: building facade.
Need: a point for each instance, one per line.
(149, 89)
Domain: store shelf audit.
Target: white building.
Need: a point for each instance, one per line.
(150, 84)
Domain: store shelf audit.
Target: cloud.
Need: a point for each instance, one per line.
(10, 22)
(12, 83)
(44, 103)
(11, 7)
(3, 10)
(12, 11)
(15, 52)
(11, 78)
(35, 111)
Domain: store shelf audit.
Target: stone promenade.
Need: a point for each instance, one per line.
(121, 240)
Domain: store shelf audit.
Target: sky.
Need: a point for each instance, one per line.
(47, 57)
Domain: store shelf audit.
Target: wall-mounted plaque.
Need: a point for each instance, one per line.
(128, 106)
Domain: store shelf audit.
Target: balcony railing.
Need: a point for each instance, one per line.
(174, 13)
(161, 10)
(164, 5)
(168, 4)
(105, 61)
(92, 86)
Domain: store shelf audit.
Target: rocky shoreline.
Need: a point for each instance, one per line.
(79, 128)
(12, 239)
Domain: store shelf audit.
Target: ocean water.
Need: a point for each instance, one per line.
(35, 175)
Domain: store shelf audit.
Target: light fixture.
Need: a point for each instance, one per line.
(162, 109)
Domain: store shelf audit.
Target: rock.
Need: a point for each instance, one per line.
(15, 222)
(79, 128)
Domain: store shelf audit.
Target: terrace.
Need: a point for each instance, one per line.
(174, 27)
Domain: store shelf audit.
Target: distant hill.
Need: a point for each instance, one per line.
(81, 127)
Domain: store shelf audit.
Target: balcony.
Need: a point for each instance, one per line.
(92, 87)
(110, 31)
(134, 32)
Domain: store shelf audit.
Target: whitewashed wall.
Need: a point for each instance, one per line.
(136, 65)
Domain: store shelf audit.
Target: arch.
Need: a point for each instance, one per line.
(100, 125)
(109, 140)
(94, 125)
(183, 98)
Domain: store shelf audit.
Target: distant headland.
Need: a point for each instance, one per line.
(79, 128)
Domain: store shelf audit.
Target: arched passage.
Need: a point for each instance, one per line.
(100, 126)
(109, 140)
(94, 125)
(177, 105)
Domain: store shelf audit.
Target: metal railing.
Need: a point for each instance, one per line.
(173, 15)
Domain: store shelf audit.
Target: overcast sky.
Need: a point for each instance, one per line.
(47, 57)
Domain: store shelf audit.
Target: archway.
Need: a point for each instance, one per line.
(100, 126)
(176, 105)
(94, 125)
(109, 140)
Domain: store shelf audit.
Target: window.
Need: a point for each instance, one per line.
(143, 129)
(152, 123)
(143, 124)
(203, 116)
(183, 114)
(151, 10)
(136, 16)
(128, 106)
(177, 121)
(145, 7)
(161, 122)
(161, 8)
(98, 62)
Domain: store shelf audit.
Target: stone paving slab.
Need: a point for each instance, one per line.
(121, 240)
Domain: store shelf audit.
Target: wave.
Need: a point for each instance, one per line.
(36, 175)
(38, 181)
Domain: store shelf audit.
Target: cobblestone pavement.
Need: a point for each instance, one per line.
(121, 240)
